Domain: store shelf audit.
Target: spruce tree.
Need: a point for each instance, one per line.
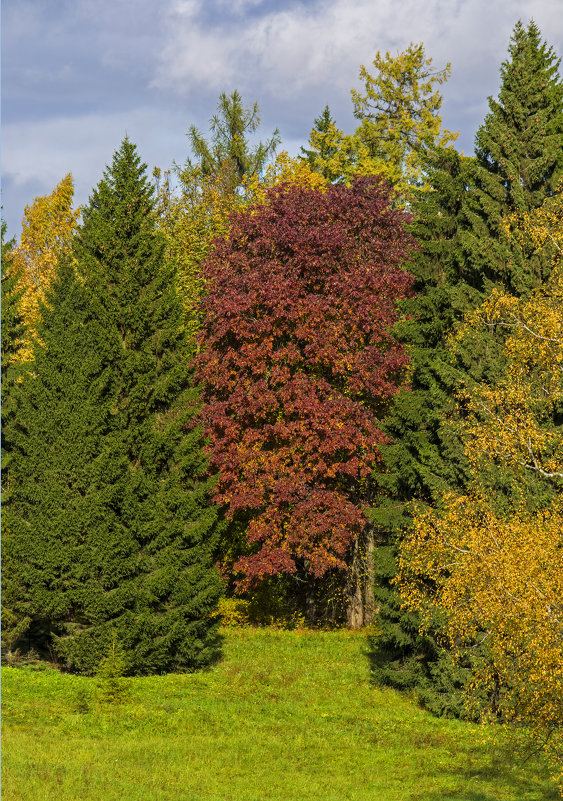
(519, 162)
(124, 513)
(425, 456)
(167, 506)
(69, 561)
(13, 334)
(464, 253)
(330, 153)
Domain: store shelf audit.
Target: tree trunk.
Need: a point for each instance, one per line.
(355, 609)
(360, 580)
(369, 605)
(310, 606)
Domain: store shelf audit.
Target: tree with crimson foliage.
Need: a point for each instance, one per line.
(299, 365)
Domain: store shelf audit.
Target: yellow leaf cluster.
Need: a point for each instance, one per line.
(512, 421)
(192, 219)
(48, 226)
(283, 171)
(501, 578)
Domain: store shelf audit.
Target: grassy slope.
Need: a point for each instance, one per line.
(286, 716)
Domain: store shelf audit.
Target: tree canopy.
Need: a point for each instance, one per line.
(298, 366)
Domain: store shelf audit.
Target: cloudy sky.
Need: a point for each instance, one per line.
(78, 74)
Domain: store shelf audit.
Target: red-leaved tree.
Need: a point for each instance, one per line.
(298, 363)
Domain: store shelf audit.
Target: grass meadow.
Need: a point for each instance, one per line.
(285, 716)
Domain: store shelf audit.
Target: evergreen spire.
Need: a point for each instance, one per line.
(326, 153)
(141, 565)
(167, 507)
(519, 161)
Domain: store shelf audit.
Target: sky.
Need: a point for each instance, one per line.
(77, 75)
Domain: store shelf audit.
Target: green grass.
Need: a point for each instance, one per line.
(286, 716)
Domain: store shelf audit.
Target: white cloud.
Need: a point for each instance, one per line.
(77, 73)
(38, 154)
(296, 47)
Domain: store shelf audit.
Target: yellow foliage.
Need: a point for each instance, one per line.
(502, 578)
(192, 220)
(48, 226)
(399, 113)
(334, 155)
(284, 171)
(513, 420)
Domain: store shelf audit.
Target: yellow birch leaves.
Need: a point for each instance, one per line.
(500, 576)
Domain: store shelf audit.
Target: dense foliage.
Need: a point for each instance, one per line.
(13, 337)
(496, 572)
(299, 365)
(519, 161)
(461, 234)
(48, 227)
(211, 187)
(110, 528)
(398, 111)
(375, 331)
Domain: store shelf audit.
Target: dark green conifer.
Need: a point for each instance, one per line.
(113, 472)
(464, 253)
(69, 562)
(13, 332)
(519, 161)
(425, 456)
(167, 507)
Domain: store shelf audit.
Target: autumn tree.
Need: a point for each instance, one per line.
(299, 365)
(48, 226)
(13, 342)
(399, 116)
(13, 325)
(493, 570)
(455, 269)
(398, 111)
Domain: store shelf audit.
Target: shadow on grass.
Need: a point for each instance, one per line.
(480, 770)
(497, 766)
